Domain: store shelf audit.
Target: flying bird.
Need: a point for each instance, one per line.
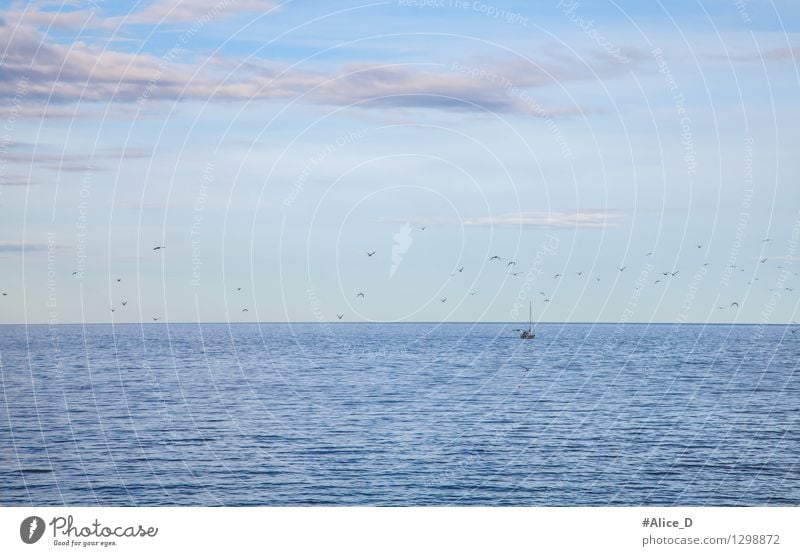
(340, 316)
(764, 260)
(443, 299)
(648, 254)
(699, 246)
(473, 293)
(360, 294)
(495, 257)
(461, 269)
(674, 273)
(579, 273)
(119, 279)
(734, 304)
(244, 311)
(510, 263)
(75, 273)
(124, 303)
(515, 273)
(621, 268)
(157, 248)
(657, 281)
(238, 289)
(766, 240)
(370, 253)
(546, 301)
(422, 228)
(155, 319)
(556, 276)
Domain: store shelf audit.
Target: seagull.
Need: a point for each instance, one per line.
(119, 279)
(124, 303)
(495, 257)
(158, 248)
(648, 254)
(674, 273)
(657, 281)
(542, 293)
(443, 299)
(556, 276)
(112, 309)
(75, 273)
(155, 319)
(579, 273)
(546, 301)
(665, 274)
(622, 268)
(461, 269)
(597, 279)
(515, 273)
(699, 246)
(473, 293)
(244, 310)
(360, 294)
(734, 304)
(527, 370)
(766, 240)
(340, 316)
(4, 293)
(764, 260)
(422, 228)
(370, 253)
(511, 263)
(238, 289)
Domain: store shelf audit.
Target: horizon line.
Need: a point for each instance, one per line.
(692, 323)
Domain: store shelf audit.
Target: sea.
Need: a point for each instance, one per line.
(407, 414)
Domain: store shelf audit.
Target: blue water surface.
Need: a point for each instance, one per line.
(399, 414)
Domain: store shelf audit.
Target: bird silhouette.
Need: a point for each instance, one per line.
(764, 260)
(657, 281)
(124, 303)
(621, 268)
(340, 316)
(556, 276)
(155, 319)
(422, 228)
(734, 304)
(461, 269)
(119, 279)
(443, 299)
(515, 273)
(244, 311)
(238, 289)
(158, 248)
(473, 293)
(579, 273)
(674, 273)
(648, 254)
(511, 263)
(370, 253)
(360, 294)
(75, 273)
(495, 257)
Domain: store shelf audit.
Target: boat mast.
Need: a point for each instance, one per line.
(530, 315)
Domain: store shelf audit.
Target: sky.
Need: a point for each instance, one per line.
(623, 161)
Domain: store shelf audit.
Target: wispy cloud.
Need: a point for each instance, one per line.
(21, 247)
(599, 218)
(57, 73)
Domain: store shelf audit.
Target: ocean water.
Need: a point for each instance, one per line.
(399, 414)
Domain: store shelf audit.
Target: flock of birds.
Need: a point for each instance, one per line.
(511, 266)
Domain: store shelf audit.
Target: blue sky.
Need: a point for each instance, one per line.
(269, 146)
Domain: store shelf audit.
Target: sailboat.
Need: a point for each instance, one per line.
(528, 334)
